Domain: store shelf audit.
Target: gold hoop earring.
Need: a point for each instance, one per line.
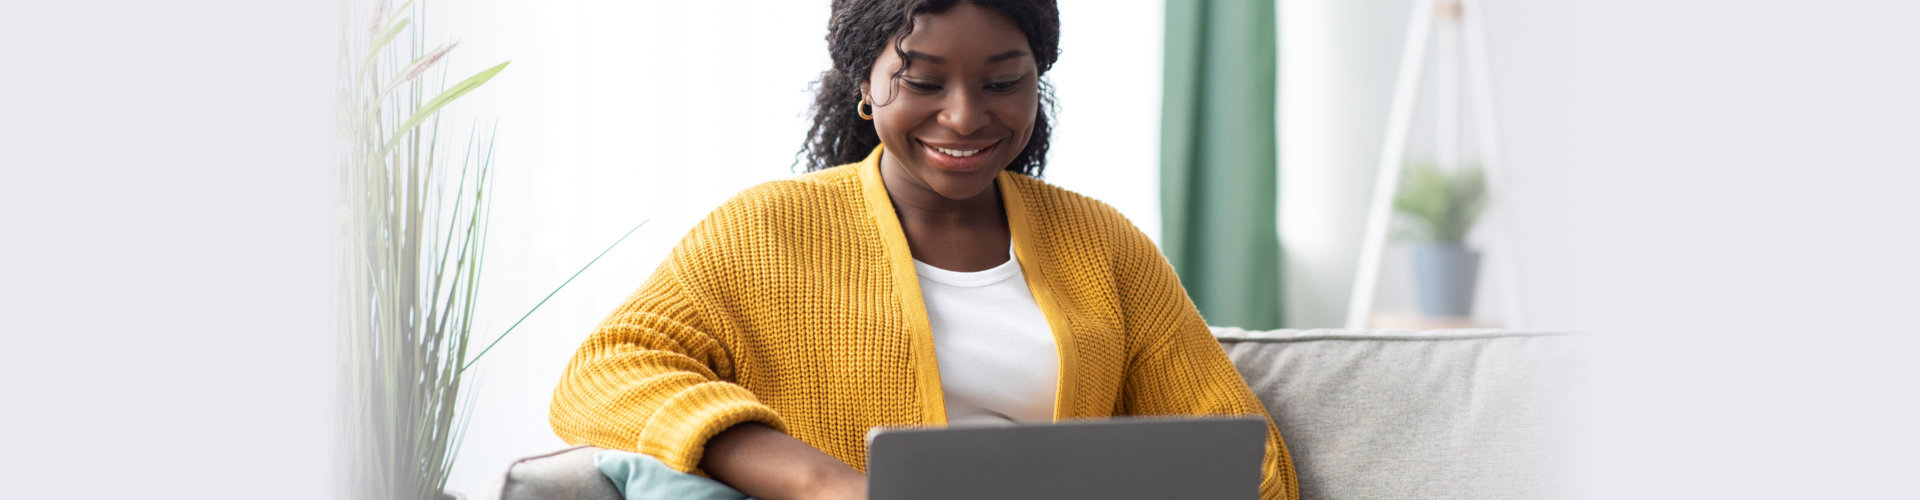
(861, 109)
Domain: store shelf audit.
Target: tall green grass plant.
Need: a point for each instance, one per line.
(413, 232)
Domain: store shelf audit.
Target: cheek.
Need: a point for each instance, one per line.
(900, 116)
(1020, 114)
(887, 125)
(1022, 108)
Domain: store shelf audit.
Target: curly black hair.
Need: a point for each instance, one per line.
(860, 29)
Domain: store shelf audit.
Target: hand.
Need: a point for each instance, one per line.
(842, 484)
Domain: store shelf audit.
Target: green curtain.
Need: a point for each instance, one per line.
(1218, 159)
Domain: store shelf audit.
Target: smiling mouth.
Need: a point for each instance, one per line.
(956, 153)
(959, 157)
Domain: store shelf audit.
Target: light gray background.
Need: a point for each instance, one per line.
(163, 252)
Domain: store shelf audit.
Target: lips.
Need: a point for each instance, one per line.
(958, 156)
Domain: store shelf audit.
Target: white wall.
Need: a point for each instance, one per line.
(1338, 65)
(1720, 191)
(1336, 72)
(613, 112)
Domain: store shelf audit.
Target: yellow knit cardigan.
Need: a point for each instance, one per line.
(796, 305)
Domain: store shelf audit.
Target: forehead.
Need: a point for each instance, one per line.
(966, 32)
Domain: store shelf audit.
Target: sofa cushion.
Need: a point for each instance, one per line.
(642, 477)
(1429, 414)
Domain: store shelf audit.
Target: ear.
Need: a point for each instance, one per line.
(866, 89)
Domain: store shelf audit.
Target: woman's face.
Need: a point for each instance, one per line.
(965, 107)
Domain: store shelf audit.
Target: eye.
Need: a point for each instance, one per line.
(1006, 86)
(922, 87)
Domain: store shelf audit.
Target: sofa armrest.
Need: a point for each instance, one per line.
(568, 474)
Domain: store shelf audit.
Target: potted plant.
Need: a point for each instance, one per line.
(1438, 207)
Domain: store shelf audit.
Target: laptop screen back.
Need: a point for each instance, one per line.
(1205, 458)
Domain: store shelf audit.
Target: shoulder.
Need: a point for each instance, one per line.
(1062, 214)
(1095, 257)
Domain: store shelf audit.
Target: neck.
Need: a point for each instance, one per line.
(919, 205)
(960, 235)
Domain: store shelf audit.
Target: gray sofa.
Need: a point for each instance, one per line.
(1366, 414)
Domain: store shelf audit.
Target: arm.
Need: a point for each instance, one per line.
(649, 379)
(653, 378)
(1176, 367)
(1188, 374)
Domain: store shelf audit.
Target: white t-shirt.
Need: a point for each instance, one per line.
(996, 354)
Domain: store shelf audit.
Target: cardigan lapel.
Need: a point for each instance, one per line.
(1026, 246)
(906, 280)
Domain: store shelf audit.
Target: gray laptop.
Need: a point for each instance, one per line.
(1130, 458)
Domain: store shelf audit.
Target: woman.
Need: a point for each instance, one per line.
(919, 274)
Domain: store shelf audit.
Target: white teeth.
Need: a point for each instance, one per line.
(955, 152)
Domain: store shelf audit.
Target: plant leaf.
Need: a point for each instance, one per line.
(441, 101)
(543, 301)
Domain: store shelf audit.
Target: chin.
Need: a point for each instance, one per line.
(961, 186)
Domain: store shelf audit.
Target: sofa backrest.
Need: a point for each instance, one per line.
(1426, 414)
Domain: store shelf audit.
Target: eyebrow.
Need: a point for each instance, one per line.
(915, 54)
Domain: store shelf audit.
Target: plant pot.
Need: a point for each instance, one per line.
(1444, 277)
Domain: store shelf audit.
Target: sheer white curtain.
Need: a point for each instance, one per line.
(614, 112)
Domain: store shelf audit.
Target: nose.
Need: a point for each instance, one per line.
(964, 113)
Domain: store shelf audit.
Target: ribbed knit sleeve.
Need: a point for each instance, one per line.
(1178, 368)
(653, 380)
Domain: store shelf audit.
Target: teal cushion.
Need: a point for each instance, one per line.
(642, 477)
